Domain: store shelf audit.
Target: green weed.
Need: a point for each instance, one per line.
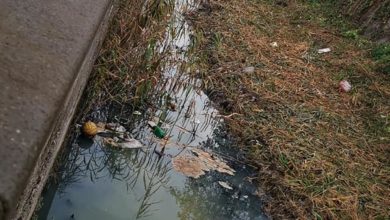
(381, 54)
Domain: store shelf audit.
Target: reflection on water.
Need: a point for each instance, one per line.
(101, 182)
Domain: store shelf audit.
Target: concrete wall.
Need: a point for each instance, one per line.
(47, 49)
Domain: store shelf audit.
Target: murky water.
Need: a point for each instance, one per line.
(102, 182)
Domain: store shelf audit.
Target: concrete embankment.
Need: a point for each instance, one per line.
(47, 49)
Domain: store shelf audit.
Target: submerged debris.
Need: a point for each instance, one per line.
(196, 165)
(110, 142)
(128, 143)
(131, 143)
(189, 166)
(212, 162)
(152, 124)
(115, 127)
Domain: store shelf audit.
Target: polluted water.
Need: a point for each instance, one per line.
(177, 163)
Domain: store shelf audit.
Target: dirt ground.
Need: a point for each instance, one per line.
(321, 153)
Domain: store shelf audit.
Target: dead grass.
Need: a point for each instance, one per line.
(321, 153)
(128, 64)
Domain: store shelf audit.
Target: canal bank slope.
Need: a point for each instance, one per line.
(277, 70)
(47, 50)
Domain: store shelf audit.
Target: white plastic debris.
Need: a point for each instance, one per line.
(131, 144)
(345, 86)
(137, 113)
(324, 50)
(152, 124)
(249, 69)
(116, 127)
(225, 185)
(274, 44)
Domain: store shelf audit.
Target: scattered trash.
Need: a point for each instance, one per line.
(159, 132)
(196, 165)
(345, 86)
(116, 127)
(274, 44)
(137, 113)
(131, 144)
(324, 50)
(189, 166)
(90, 129)
(152, 124)
(128, 143)
(249, 69)
(225, 185)
(112, 134)
(212, 162)
(110, 141)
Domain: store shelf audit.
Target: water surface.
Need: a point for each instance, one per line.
(102, 182)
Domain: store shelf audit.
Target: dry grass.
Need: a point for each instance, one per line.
(128, 64)
(321, 153)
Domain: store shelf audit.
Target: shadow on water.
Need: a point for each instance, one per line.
(102, 182)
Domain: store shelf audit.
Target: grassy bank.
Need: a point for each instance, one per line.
(321, 153)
